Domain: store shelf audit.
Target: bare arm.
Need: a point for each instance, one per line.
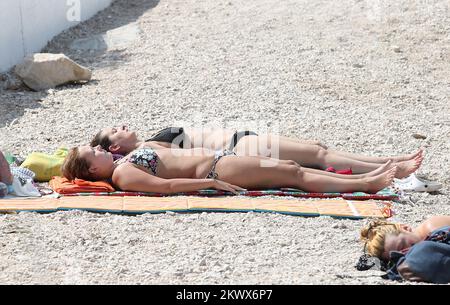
(5, 172)
(130, 178)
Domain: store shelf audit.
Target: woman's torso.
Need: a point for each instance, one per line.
(171, 163)
(215, 139)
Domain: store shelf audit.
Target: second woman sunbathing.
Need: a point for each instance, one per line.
(309, 154)
(165, 170)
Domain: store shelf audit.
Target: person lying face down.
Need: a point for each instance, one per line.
(309, 154)
(383, 237)
(165, 170)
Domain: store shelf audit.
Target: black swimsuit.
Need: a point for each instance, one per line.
(175, 135)
(238, 135)
(169, 135)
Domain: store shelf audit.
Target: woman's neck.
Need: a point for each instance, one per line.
(138, 145)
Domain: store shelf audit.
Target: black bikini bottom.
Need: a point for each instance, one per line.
(169, 134)
(238, 135)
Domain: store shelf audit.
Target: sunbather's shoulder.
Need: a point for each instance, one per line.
(433, 223)
(121, 171)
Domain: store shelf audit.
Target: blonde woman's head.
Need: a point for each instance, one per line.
(382, 237)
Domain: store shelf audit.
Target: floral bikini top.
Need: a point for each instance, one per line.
(145, 157)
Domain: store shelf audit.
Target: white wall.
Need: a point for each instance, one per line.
(26, 26)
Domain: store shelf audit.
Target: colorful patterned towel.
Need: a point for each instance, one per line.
(385, 194)
(338, 207)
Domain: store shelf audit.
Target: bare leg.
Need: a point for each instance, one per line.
(306, 155)
(311, 156)
(359, 157)
(376, 159)
(247, 172)
(381, 169)
(5, 172)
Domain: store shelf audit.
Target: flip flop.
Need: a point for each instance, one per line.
(412, 183)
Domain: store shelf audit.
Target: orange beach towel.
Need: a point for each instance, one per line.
(64, 186)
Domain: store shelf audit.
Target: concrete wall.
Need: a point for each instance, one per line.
(26, 26)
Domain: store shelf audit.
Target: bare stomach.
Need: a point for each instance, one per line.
(264, 145)
(215, 139)
(184, 163)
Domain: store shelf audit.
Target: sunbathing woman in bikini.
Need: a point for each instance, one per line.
(167, 170)
(382, 237)
(309, 154)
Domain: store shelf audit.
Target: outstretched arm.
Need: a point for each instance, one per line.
(130, 178)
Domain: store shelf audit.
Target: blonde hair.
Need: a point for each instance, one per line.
(375, 236)
(75, 167)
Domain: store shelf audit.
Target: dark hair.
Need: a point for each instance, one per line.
(75, 167)
(103, 141)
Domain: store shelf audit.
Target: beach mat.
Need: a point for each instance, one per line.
(133, 205)
(385, 194)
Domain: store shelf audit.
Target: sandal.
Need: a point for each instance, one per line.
(414, 184)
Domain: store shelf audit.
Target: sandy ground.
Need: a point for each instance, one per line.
(361, 76)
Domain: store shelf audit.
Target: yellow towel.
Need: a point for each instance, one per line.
(45, 166)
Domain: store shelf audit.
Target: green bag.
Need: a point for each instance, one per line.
(10, 158)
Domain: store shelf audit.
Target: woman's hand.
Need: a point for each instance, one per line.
(225, 186)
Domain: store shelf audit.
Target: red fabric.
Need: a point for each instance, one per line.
(347, 171)
(63, 186)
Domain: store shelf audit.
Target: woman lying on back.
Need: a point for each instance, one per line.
(166, 170)
(309, 154)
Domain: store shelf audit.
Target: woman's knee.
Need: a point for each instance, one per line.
(321, 153)
(290, 162)
(320, 145)
(295, 170)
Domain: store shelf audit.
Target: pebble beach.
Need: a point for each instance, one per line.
(368, 77)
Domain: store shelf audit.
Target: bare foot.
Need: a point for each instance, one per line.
(408, 157)
(386, 166)
(381, 181)
(405, 168)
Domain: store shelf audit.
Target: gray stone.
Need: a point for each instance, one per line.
(42, 71)
(396, 49)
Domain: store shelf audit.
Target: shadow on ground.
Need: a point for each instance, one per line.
(85, 43)
(14, 103)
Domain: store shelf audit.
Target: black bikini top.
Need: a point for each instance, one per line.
(173, 135)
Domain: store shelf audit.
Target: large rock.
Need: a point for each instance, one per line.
(43, 71)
